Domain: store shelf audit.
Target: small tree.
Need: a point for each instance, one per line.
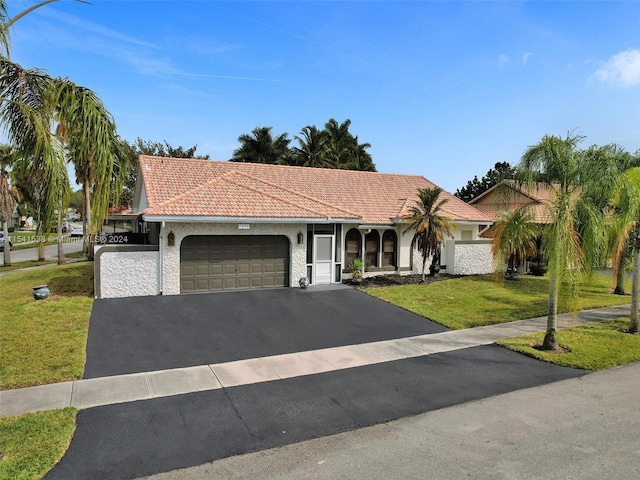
(515, 234)
(429, 226)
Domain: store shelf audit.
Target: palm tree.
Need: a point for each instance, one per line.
(515, 239)
(429, 226)
(92, 145)
(312, 149)
(627, 200)
(31, 104)
(573, 236)
(7, 199)
(262, 147)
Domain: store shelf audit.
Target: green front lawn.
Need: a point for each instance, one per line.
(481, 300)
(589, 347)
(44, 341)
(32, 443)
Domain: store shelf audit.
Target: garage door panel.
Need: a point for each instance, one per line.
(210, 263)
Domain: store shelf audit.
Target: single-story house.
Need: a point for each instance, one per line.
(214, 225)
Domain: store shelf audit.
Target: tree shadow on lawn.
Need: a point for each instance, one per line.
(77, 283)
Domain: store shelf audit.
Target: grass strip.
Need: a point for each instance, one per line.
(474, 301)
(31, 444)
(44, 341)
(589, 347)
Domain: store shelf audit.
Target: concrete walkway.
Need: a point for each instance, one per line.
(95, 392)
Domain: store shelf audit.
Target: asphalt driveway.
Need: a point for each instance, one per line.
(130, 440)
(142, 334)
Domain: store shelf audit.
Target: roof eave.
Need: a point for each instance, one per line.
(213, 219)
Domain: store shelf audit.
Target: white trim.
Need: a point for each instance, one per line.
(331, 262)
(205, 219)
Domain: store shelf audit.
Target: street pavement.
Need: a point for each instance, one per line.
(581, 428)
(71, 245)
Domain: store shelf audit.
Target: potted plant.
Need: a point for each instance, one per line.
(356, 268)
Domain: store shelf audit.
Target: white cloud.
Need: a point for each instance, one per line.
(621, 70)
(525, 57)
(503, 59)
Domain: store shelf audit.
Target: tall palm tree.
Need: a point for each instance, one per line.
(515, 239)
(31, 103)
(312, 148)
(262, 147)
(429, 225)
(7, 199)
(576, 225)
(95, 150)
(627, 200)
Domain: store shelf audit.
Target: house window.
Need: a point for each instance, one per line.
(389, 241)
(371, 245)
(352, 243)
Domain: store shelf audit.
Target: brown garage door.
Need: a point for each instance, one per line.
(227, 262)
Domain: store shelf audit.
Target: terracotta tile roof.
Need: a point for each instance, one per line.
(493, 202)
(188, 187)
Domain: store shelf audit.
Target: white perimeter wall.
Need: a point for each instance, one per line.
(468, 257)
(126, 271)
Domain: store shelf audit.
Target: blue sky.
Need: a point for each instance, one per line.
(440, 89)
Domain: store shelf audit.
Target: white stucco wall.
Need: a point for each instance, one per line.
(123, 272)
(469, 258)
(171, 255)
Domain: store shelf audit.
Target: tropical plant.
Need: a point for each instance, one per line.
(262, 147)
(628, 219)
(429, 226)
(312, 148)
(514, 240)
(356, 267)
(574, 236)
(32, 103)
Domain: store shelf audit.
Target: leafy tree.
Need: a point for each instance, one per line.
(7, 198)
(262, 147)
(576, 226)
(515, 239)
(429, 226)
(475, 187)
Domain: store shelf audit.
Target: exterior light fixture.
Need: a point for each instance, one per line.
(171, 239)
(300, 238)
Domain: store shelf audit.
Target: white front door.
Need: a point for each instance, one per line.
(323, 259)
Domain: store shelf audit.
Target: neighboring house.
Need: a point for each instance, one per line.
(509, 195)
(224, 225)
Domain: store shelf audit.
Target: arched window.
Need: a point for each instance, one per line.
(389, 242)
(352, 244)
(372, 246)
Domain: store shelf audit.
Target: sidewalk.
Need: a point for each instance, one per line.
(89, 393)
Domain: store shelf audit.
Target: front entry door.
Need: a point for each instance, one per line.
(323, 259)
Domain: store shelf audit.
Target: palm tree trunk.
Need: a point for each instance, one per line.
(61, 259)
(86, 220)
(550, 342)
(7, 248)
(620, 276)
(633, 324)
(41, 247)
